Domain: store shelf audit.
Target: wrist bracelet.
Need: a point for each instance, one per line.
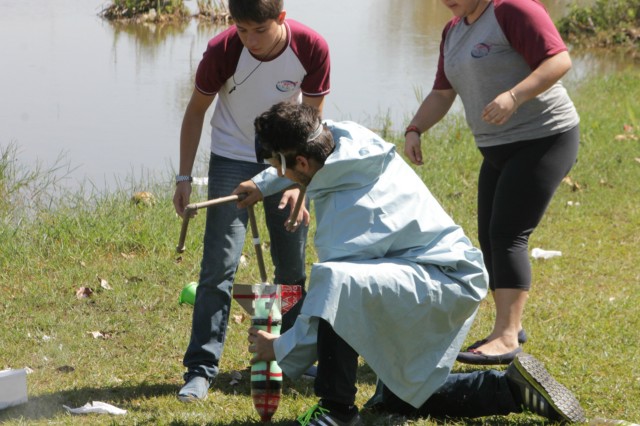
(412, 128)
(513, 96)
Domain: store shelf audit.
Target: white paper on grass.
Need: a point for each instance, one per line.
(96, 407)
(13, 387)
(538, 253)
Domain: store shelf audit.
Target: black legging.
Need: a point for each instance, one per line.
(515, 186)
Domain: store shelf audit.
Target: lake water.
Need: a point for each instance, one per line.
(110, 98)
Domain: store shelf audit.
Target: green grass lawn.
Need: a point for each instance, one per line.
(583, 316)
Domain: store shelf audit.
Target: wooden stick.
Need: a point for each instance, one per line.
(196, 206)
(256, 244)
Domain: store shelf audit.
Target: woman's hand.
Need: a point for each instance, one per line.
(412, 148)
(500, 110)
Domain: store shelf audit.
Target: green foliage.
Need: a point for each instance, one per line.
(124, 9)
(582, 317)
(217, 10)
(606, 22)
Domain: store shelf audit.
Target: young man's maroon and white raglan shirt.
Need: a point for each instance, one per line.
(247, 87)
(493, 54)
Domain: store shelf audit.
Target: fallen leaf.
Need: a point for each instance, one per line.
(575, 186)
(104, 283)
(99, 335)
(626, 136)
(128, 255)
(239, 318)
(603, 182)
(83, 292)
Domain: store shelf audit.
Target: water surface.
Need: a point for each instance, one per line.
(110, 97)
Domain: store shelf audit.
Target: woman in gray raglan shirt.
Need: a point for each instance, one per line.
(505, 59)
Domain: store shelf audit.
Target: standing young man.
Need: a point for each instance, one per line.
(261, 60)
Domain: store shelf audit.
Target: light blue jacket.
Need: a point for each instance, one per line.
(396, 277)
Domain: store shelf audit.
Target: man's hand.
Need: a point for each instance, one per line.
(253, 194)
(261, 345)
(291, 197)
(181, 198)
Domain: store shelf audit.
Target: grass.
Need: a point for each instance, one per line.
(582, 316)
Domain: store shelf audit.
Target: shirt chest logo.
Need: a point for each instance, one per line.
(286, 85)
(480, 50)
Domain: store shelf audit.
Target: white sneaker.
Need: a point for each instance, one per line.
(196, 389)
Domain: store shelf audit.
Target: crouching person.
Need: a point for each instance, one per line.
(397, 282)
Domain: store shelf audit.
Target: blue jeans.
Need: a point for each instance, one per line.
(224, 237)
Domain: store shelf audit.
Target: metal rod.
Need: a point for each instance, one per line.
(196, 206)
(256, 244)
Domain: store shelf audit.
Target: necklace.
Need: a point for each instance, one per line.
(233, 77)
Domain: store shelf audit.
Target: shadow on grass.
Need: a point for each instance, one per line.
(51, 405)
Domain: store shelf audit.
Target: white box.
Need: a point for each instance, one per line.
(13, 387)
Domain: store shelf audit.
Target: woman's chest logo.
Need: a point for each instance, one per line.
(480, 50)
(286, 85)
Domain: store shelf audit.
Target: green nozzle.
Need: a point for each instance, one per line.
(188, 293)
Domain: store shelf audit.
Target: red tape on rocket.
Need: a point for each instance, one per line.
(266, 303)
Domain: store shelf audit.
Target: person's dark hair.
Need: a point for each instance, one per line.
(288, 128)
(257, 11)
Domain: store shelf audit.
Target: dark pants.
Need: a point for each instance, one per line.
(515, 186)
(476, 394)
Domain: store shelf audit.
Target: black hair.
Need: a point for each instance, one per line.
(257, 11)
(286, 128)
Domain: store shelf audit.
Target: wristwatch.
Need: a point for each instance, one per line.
(183, 178)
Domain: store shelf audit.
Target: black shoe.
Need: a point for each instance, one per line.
(320, 416)
(476, 357)
(540, 393)
(522, 338)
